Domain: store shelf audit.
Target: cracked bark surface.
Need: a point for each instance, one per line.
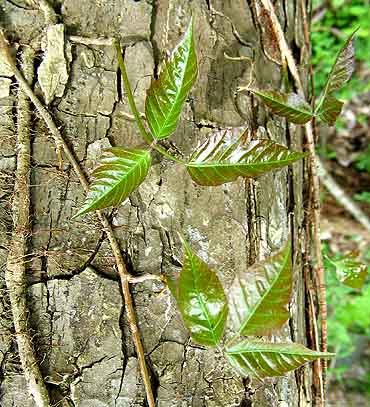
(81, 332)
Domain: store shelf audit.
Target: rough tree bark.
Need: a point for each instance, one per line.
(81, 333)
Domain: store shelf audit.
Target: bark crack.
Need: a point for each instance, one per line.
(155, 48)
(123, 350)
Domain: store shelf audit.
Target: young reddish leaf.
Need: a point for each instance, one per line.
(166, 96)
(351, 271)
(259, 306)
(289, 105)
(201, 300)
(340, 73)
(262, 359)
(120, 172)
(223, 158)
(330, 110)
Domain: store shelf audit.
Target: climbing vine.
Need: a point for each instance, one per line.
(215, 317)
(257, 309)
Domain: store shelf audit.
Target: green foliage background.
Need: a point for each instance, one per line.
(328, 34)
(348, 323)
(349, 309)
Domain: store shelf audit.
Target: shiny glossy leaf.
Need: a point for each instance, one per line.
(259, 299)
(330, 110)
(351, 271)
(223, 158)
(261, 359)
(120, 172)
(340, 73)
(289, 105)
(342, 68)
(201, 300)
(167, 94)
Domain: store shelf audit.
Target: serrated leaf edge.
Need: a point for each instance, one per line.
(188, 35)
(325, 93)
(302, 112)
(306, 352)
(88, 209)
(286, 260)
(190, 254)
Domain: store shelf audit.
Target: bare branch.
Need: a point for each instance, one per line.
(337, 192)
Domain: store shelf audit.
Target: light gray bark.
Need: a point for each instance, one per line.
(81, 332)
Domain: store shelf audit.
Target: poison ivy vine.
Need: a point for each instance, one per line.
(256, 308)
(297, 110)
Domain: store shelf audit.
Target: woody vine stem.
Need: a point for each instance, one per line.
(286, 55)
(221, 159)
(123, 274)
(15, 274)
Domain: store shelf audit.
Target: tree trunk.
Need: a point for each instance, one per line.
(79, 323)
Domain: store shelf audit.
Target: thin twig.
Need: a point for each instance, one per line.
(313, 334)
(287, 55)
(240, 58)
(146, 277)
(91, 41)
(130, 97)
(336, 191)
(15, 275)
(123, 273)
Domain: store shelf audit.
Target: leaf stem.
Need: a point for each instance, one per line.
(131, 101)
(164, 152)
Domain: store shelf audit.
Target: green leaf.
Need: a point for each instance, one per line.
(351, 271)
(340, 73)
(223, 158)
(363, 196)
(260, 306)
(167, 94)
(342, 68)
(363, 163)
(330, 110)
(289, 105)
(261, 359)
(201, 300)
(120, 172)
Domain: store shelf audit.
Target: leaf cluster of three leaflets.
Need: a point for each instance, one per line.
(222, 158)
(257, 308)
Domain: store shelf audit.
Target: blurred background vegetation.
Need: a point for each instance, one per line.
(345, 151)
